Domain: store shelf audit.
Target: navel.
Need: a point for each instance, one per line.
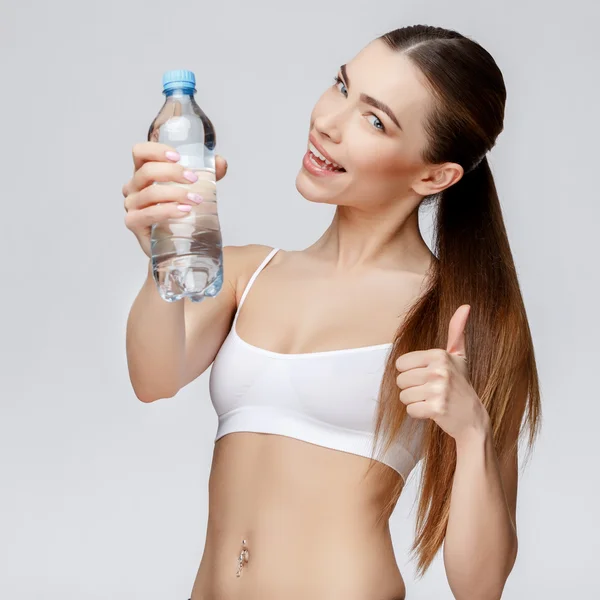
(243, 558)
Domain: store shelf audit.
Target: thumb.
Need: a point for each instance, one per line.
(456, 331)
(220, 167)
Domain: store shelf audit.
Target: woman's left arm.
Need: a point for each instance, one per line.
(480, 545)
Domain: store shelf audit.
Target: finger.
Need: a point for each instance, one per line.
(155, 194)
(456, 331)
(418, 359)
(413, 394)
(413, 377)
(419, 410)
(163, 172)
(220, 167)
(144, 152)
(137, 220)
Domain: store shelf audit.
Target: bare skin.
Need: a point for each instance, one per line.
(306, 512)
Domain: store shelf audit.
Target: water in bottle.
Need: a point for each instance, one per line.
(187, 257)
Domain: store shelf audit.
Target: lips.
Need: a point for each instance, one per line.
(315, 167)
(319, 152)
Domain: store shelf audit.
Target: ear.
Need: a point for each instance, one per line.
(436, 178)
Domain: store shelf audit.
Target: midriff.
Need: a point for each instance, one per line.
(308, 516)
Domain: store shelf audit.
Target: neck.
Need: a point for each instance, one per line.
(358, 239)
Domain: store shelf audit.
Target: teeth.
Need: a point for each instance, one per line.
(313, 160)
(312, 148)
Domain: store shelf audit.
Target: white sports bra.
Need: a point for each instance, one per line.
(325, 398)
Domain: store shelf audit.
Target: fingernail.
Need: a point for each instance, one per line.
(184, 207)
(190, 176)
(172, 155)
(197, 198)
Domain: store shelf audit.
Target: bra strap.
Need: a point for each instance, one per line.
(254, 276)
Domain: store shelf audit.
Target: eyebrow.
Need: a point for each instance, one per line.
(372, 101)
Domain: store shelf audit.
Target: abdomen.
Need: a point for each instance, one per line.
(308, 519)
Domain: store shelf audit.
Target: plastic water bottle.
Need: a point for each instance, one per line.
(187, 256)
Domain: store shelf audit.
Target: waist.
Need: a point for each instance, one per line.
(309, 518)
(279, 568)
(319, 563)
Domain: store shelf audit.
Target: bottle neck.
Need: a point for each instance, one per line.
(181, 94)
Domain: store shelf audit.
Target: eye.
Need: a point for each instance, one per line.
(337, 81)
(378, 124)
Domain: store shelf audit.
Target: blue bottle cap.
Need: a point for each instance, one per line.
(178, 79)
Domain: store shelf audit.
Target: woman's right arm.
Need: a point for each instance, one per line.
(169, 344)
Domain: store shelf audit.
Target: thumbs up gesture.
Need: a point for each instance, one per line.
(434, 384)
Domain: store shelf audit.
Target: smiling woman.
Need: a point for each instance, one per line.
(328, 397)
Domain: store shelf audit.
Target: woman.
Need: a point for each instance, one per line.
(339, 367)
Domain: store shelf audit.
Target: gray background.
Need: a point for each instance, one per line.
(105, 497)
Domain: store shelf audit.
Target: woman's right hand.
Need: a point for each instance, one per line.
(145, 203)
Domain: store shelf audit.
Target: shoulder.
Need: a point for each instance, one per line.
(240, 262)
(241, 258)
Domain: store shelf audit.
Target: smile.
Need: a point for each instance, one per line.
(320, 161)
(318, 168)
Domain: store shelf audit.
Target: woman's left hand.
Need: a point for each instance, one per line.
(435, 384)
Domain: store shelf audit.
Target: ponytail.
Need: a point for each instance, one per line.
(474, 266)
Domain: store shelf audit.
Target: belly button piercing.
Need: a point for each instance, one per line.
(242, 558)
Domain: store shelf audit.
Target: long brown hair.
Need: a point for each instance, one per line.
(474, 266)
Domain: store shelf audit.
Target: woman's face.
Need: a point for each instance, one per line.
(380, 152)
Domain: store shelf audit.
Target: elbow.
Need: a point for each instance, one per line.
(150, 386)
(146, 391)
(150, 399)
(148, 396)
(145, 399)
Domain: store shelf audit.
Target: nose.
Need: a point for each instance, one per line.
(329, 126)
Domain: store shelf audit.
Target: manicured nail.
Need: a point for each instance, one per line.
(172, 155)
(190, 176)
(184, 207)
(197, 198)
